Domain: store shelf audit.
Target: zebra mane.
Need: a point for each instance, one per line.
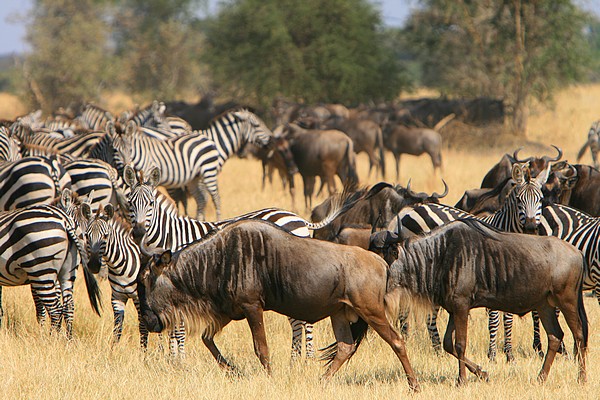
(170, 205)
(227, 112)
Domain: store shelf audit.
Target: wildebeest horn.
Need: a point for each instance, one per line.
(558, 157)
(517, 158)
(439, 196)
(421, 195)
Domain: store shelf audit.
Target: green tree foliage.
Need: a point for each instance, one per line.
(67, 62)
(313, 50)
(518, 50)
(157, 48)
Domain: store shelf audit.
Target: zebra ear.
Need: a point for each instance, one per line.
(66, 198)
(86, 210)
(110, 128)
(543, 176)
(130, 128)
(129, 175)
(109, 210)
(517, 173)
(154, 179)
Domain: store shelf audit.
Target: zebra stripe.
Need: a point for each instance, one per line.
(10, 147)
(94, 118)
(78, 146)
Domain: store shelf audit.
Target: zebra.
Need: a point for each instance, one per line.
(521, 212)
(593, 142)
(94, 118)
(108, 240)
(41, 247)
(158, 226)
(10, 147)
(30, 181)
(40, 143)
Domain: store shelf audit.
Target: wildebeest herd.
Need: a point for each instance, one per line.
(84, 191)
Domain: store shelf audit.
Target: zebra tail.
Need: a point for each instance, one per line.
(359, 332)
(91, 283)
(582, 151)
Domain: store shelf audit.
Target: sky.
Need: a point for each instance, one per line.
(13, 17)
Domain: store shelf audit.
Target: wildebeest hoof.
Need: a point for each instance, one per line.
(483, 375)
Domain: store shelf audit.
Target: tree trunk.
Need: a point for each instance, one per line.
(520, 110)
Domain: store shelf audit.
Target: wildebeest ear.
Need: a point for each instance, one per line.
(154, 178)
(517, 173)
(166, 257)
(160, 262)
(86, 210)
(129, 175)
(109, 210)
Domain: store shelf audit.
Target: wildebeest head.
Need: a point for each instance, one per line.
(422, 197)
(142, 199)
(528, 193)
(563, 178)
(97, 234)
(253, 129)
(384, 243)
(538, 164)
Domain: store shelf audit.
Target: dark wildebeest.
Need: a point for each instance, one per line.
(366, 136)
(380, 204)
(249, 267)
(593, 142)
(468, 264)
(323, 154)
(400, 139)
(577, 186)
(485, 201)
(503, 169)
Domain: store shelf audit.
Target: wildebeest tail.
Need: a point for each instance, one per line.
(379, 144)
(341, 203)
(580, 307)
(359, 332)
(582, 151)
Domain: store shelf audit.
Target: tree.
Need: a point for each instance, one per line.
(518, 50)
(314, 50)
(157, 47)
(67, 62)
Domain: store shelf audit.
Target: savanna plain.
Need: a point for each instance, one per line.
(37, 365)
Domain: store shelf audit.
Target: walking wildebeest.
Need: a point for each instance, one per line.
(324, 154)
(468, 264)
(593, 142)
(401, 139)
(249, 267)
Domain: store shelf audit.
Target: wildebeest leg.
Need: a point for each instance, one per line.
(397, 158)
(451, 348)
(254, 316)
(576, 319)
(377, 320)
(508, 324)
(309, 187)
(432, 329)
(555, 335)
(493, 326)
(537, 342)
(216, 353)
(344, 341)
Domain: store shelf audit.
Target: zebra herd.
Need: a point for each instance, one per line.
(85, 192)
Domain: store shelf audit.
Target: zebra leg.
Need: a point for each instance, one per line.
(142, 326)
(434, 335)
(561, 348)
(537, 342)
(51, 301)
(1, 308)
(68, 307)
(508, 349)
(180, 337)
(402, 323)
(40, 309)
(197, 191)
(296, 338)
(310, 347)
(493, 326)
(118, 306)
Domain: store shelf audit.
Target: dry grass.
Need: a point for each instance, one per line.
(37, 365)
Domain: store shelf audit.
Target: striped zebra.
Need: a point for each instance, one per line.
(521, 212)
(108, 241)
(593, 142)
(10, 147)
(158, 226)
(40, 143)
(194, 160)
(94, 118)
(30, 181)
(40, 247)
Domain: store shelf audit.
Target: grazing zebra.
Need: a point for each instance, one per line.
(521, 212)
(593, 142)
(40, 247)
(10, 147)
(108, 240)
(194, 160)
(30, 181)
(40, 143)
(94, 118)
(158, 226)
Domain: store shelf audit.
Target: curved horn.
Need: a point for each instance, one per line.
(439, 196)
(558, 157)
(517, 158)
(421, 195)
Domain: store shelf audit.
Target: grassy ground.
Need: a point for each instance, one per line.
(35, 364)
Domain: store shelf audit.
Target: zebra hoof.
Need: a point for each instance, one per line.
(492, 355)
(510, 358)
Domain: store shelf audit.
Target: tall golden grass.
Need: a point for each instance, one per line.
(37, 365)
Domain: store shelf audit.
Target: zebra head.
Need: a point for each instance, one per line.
(253, 129)
(528, 196)
(142, 199)
(97, 235)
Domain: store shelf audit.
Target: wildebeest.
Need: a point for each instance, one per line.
(379, 205)
(253, 266)
(593, 142)
(485, 201)
(323, 154)
(400, 139)
(577, 186)
(468, 264)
